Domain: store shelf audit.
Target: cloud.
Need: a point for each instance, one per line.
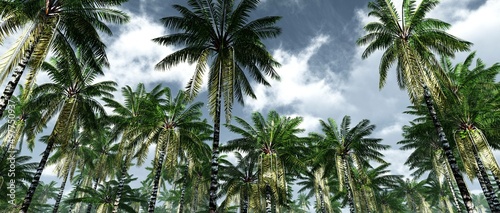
(133, 55)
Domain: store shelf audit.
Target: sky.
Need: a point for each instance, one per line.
(322, 73)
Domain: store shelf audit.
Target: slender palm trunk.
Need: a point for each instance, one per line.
(38, 174)
(194, 207)
(16, 76)
(350, 199)
(89, 207)
(486, 186)
(61, 191)
(70, 209)
(214, 184)
(321, 200)
(244, 198)
(156, 181)
(120, 185)
(450, 185)
(183, 190)
(268, 199)
(448, 153)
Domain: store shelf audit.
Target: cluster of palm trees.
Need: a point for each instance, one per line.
(95, 140)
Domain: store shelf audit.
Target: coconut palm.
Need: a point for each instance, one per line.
(274, 141)
(414, 193)
(73, 94)
(22, 125)
(56, 26)
(14, 180)
(103, 198)
(473, 100)
(412, 40)
(240, 183)
(127, 117)
(350, 147)
(174, 125)
(219, 33)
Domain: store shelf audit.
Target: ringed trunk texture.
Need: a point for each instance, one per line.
(183, 190)
(120, 186)
(244, 205)
(268, 199)
(350, 199)
(74, 195)
(486, 186)
(61, 191)
(448, 153)
(38, 174)
(16, 76)
(156, 182)
(322, 200)
(89, 207)
(214, 173)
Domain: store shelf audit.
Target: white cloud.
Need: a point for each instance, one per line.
(133, 55)
(299, 89)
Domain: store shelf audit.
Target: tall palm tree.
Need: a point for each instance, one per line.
(219, 33)
(412, 40)
(274, 142)
(24, 172)
(173, 126)
(55, 26)
(414, 193)
(473, 98)
(73, 94)
(349, 147)
(128, 119)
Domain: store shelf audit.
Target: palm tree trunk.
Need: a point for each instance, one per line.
(448, 153)
(268, 199)
(195, 195)
(38, 174)
(61, 191)
(350, 199)
(321, 200)
(120, 185)
(450, 185)
(156, 181)
(70, 210)
(244, 205)
(486, 186)
(214, 173)
(16, 76)
(89, 207)
(183, 190)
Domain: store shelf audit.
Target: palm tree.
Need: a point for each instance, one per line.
(22, 124)
(57, 26)
(240, 183)
(412, 41)
(473, 96)
(72, 94)
(414, 193)
(24, 171)
(350, 147)
(128, 121)
(173, 126)
(274, 142)
(219, 32)
(103, 198)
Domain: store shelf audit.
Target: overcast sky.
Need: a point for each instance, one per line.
(322, 73)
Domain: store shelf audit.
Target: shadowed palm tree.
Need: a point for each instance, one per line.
(56, 26)
(14, 179)
(274, 142)
(411, 41)
(240, 184)
(128, 120)
(72, 94)
(218, 35)
(174, 125)
(349, 147)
